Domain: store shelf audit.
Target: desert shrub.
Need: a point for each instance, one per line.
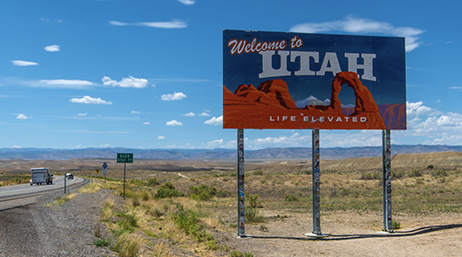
(253, 216)
(291, 198)
(145, 196)
(152, 182)
(415, 173)
(137, 182)
(156, 212)
(126, 223)
(419, 181)
(395, 224)
(258, 173)
(224, 193)
(397, 174)
(128, 245)
(430, 167)
(370, 176)
(167, 190)
(439, 173)
(253, 200)
(136, 202)
(203, 192)
(102, 242)
(188, 221)
(239, 254)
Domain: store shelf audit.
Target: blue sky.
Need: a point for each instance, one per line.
(148, 73)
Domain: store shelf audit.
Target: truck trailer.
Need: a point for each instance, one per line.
(40, 176)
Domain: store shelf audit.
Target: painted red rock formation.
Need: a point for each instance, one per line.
(271, 106)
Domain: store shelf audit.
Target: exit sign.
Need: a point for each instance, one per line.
(124, 158)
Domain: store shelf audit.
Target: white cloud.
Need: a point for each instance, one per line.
(172, 97)
(52, 48)
(187, 2)
(22, 117)
(125, 82)
(204, 114)
(173, 24)
(118, 23)
(215, 121)
(160, 137)
(136, 112)
(82, 114)
(418, 109)
(189, 114)
(356, 25)
(174, 123)
(89, 100)
(23, 63)
(214, 144)
(436, 126)
(146, 123)
(62, 83)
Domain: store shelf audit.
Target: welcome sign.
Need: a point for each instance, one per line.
(276, 80)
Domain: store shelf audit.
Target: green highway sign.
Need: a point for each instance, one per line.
(124, 158)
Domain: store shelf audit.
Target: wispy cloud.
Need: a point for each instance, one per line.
(160, 137)
(89, 100)
(173, 97)
(215, 121)
(146, 123)
(126, 82)
(23, 63)
(356, 25)
(173, 24)
(52, 48)
(62, 83)
(189, 114)
(187, 2)
(204, 114)
(82, 114)
(174, 123)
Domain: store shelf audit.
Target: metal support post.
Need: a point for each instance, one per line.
(240, 183)
(65, 183)
(125, 169)
(316, 183)
(386, 179)
(316, 176)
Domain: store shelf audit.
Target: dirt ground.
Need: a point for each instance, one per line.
(353, 234)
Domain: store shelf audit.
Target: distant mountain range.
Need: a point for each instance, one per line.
(180, 154)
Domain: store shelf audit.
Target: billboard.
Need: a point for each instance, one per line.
(279, 80)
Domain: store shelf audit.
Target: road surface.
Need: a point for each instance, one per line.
(25, 194)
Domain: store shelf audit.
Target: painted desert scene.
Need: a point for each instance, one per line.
(270, 105)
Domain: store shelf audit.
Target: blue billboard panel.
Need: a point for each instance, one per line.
(278, 80)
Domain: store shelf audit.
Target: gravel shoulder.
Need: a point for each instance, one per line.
(42, 228)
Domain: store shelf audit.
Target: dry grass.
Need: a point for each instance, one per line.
(283, 190)
(61, 200)
(93, 187)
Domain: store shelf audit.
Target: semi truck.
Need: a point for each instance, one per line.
(40, 176)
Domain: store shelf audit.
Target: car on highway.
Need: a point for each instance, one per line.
(69, 176)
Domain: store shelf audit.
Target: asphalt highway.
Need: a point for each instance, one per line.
(26, 190)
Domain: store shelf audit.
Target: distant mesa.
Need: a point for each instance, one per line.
(250, 107)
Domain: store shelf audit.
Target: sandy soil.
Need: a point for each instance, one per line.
(353, 234)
